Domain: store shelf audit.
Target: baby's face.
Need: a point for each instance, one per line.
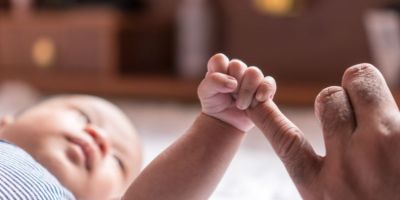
(86, 142)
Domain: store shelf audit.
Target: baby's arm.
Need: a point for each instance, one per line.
(192, 167)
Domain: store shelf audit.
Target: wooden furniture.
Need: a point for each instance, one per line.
(4, 4)
(315, 47)
(75, 42)
(80, 51)
(132, 55)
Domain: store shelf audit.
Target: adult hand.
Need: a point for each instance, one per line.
(361, 127)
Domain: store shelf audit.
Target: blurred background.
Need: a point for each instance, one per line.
(148, 56)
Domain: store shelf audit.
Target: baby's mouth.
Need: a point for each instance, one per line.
(88, 150)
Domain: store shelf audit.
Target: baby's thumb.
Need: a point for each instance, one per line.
(288, 142)
(215, 83)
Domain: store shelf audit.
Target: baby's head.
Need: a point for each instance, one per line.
(86, 142)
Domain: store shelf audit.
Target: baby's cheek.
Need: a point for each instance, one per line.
(108, 181)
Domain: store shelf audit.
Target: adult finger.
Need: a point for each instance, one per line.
(300, 160)
(370, 96)
(333, 109)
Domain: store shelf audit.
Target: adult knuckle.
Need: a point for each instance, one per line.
(388, 126)
(288, 139)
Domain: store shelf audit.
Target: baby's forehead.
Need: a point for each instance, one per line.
(80, 100)
(100, 111)
(97, 106)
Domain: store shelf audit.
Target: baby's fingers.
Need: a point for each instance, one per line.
(216, 83)
(250, 82)
(266, 90)
(237, 68)
(218, 63)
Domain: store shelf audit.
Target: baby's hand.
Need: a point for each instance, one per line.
(230, 87)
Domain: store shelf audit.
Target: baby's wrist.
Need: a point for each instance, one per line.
(215, 122)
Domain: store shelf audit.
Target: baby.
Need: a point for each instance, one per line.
(85, 142)
(92, 150)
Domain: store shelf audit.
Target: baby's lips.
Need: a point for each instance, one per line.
(88, 149)
(89, 156)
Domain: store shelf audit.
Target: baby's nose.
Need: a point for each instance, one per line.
(99, 136)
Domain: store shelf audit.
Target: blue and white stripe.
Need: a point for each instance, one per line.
(22, 178)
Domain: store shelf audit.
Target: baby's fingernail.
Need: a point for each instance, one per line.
(271, 96)
(231, 84)
(240, 106)
(260, 97)
(230, 77)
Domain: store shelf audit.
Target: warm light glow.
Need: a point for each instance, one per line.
(43, 52)
(275, 7)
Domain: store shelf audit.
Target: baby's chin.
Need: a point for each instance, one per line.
(57, 162)
(73, 177)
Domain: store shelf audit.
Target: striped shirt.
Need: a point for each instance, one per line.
(22, 178)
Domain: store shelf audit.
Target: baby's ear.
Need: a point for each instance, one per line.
(6, 120)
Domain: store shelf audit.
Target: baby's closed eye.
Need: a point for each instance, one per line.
(120, 163)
